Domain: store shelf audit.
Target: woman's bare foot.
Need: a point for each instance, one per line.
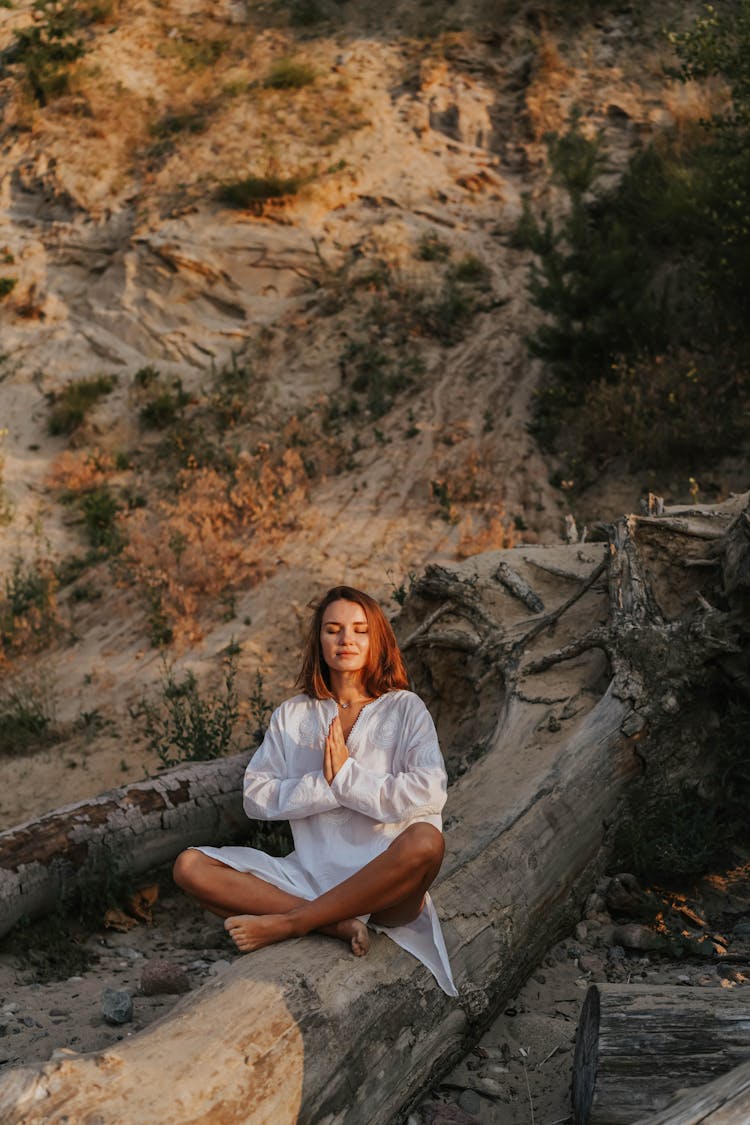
(251, 931)
(355, 932)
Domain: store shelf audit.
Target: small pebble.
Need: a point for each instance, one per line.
(117, 1006)
(160, 977)
(58, 1012)
(470, 1102)
(219, 967)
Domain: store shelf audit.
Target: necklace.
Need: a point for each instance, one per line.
(346, 706)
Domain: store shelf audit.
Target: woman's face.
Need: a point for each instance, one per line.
(344, 637)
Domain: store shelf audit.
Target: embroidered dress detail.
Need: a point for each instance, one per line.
(394, 776)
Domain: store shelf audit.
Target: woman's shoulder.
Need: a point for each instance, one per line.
(297, 703)
(406, 701)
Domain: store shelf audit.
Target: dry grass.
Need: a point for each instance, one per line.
(81, 470)
(490, 530)
(690, 104)
(187, 552)
(545, 108)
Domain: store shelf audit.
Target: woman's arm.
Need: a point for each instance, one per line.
(269, 794)
(418, 789)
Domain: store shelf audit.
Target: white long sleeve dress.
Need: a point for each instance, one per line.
(394, 777)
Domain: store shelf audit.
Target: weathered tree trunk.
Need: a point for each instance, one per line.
(637, 1045)
(543, 744)
(725, 1101)
(43, 862)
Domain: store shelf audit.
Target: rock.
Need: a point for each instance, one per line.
(742, 928)
(11, 1009)
(634, 936)
(590, 964)
(117, 1006)
(58, 1012)
(624, 895)
(161, 978)
(470, 1102)
(615, 954)
(581, 931)
(445, 1113)
(594, 905)
(219, 967)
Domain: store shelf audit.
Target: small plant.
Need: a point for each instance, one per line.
(50, 950)
(432, 249)
(289, 74)
(72, 403)
(27, 716)
(472, 271)
(187, 726)
(260, 710)
(159, 625)
(7, 285)
(306, 13)
(28, 611)
(47, 48)
(164, 405)
(251, 192)
(193, 54)
(99, 509)
(232, 384)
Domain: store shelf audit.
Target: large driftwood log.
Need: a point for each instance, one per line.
(133, 829)
(725, 1101)
(543, 744)
(637, 1045)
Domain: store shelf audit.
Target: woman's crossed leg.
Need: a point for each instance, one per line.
(391, 889)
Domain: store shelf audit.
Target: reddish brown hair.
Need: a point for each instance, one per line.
(384, 670)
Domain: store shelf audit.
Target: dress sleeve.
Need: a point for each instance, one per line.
(417, 789)
(270, 793)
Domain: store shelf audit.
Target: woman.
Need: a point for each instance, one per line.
(353, 763)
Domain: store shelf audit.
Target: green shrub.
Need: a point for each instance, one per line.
(472, 271)
(47, 48)
(28, 607)
(99, 509)
(165, 405)
(664, 413)
(432, 249)
(186, 726)
(446, 316)
(70, 406)
(232, 383)
(377, 375)
(289, 74)
(27, 717)
(193, 54)
(7, 285)
(306, 13)
(253, 191)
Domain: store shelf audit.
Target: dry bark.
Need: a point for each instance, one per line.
(45, 861)
(725, 1101)
(638, 1045)
(543, 739)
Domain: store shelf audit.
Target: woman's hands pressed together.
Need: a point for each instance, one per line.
(335, 753)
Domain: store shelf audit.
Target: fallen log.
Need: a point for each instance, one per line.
(543, 744)
(725, 1101)
(637, 1045)
(45, 862)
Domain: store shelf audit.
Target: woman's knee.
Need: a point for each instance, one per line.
(187, 867)
(424, 842)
